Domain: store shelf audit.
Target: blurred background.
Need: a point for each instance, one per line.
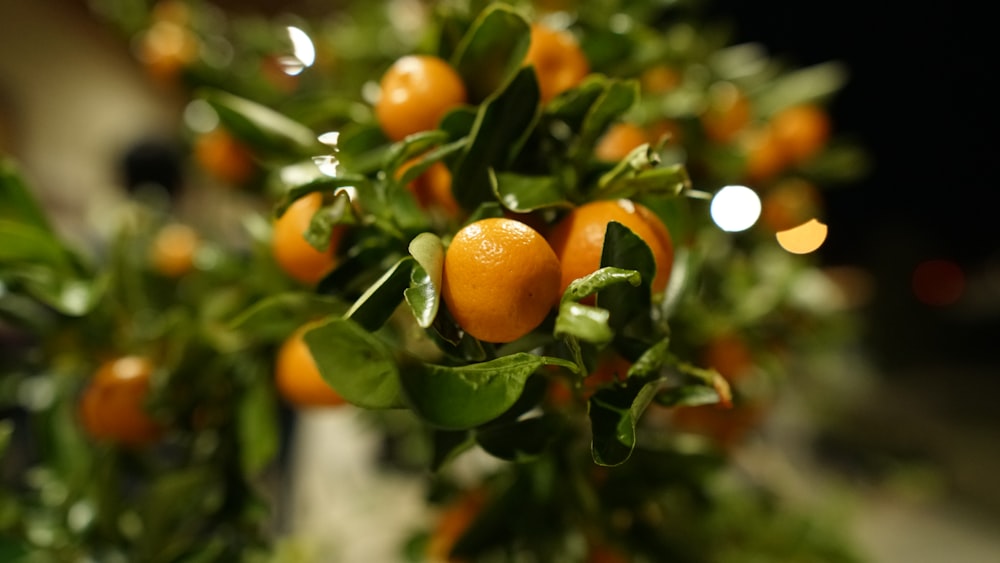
(919, 224)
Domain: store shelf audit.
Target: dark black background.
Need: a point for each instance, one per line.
(918, 101)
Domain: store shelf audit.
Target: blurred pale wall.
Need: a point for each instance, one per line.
(73, 101)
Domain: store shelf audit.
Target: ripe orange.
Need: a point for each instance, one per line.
(802, 131)
(500, 279)
(224, 157)
(558, 60)
(294, 254)
(619, 140)
(727, 113)
(173, 250)
(432, 189)
(297, 377)
(765, 157)
(578, 238)
(659, 79)
(417, 91)
(112, 407)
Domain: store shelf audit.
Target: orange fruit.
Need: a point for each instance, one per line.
(727, 114)
(619, 140)
(659, 79)
(500, 279)
(765, 157)
(294, 254)
(224, 157)
(802, 131)
(578, 238)
(166, 49)
(558, 60)
(790, 203)
(173, 250)
(112, 407)
(416, 92)
(432, 189)
(297, 377)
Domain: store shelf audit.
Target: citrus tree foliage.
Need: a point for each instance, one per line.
(626, 464)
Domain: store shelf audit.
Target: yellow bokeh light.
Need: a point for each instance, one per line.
(803, 239)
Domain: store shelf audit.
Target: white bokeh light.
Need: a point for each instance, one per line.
(735, 208)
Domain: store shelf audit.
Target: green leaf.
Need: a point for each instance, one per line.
(687, 396)
(618, 97)
(362, 149)
(257, 425)
(61, 290)
(276, 316)
(430, 157)
(28, 243)
(358, 365)
(614, 412)
(458, 122)
(802, 85)
(326, 219)
(377, 304)
(629, 304)
(572, 106)
(321, 184)
(410, 147)
(467, 396)
(262, 127)
(521, 440)
(424, 294)
(16, 201)
(587, 323)
(503, 122)
(522, 194)
(492, 51)
(598, 280)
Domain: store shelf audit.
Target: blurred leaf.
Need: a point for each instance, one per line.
(62, 291)
(447, 444)
(467, 396)
(802, 85)
(276, 316)
(257, 426)
(412, 146)
(424, 294)
(17, 204)
(614, 412)
(458, 122)
(492, 51)
(358, 365)
(503, 121)
(362, 149)
(520, 440)
(587, 323)
(26, 243)
(522, 194)
(377, 304)
(262, 127)
(430, 157)
(687, 396)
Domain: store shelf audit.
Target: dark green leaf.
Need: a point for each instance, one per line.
(321, 184)
(362, 149)
(687, 396)
(629, 304)
(520, 440)
(572, 106)
(326, 219)
(618, 97)
(458, 123)
(491, 51)
(467, 396)
(411, 147)
(522, 194)
(614, 412)
(587, 323)
(358, 365)
(376, 305)
(430, 157)
(446, 444)
(257, 425)
(424, 294)
(503, 122)
(636, 182)
(261, 127)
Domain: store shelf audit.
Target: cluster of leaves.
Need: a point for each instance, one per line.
(384, 340)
